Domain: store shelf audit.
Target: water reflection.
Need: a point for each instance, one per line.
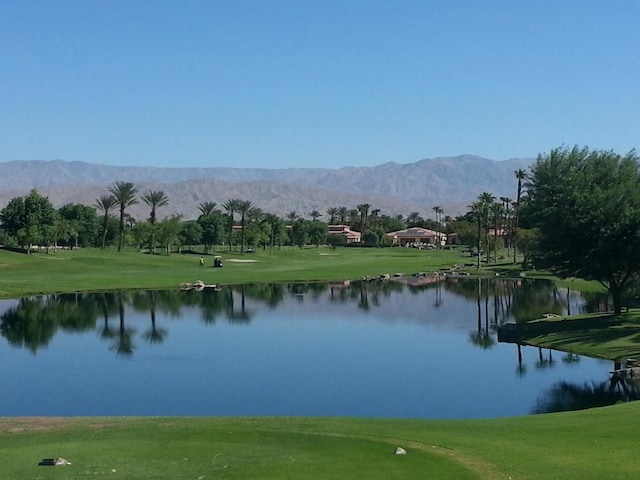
(129, 323)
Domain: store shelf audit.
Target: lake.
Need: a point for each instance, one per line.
(418, 347)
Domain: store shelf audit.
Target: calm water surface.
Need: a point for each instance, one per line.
(414, 347)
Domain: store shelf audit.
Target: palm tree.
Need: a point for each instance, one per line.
(506, 202)
(207, 208)
(125, 195)
(363, 209)
(292, 216)
(333, 213)
(243, 207)
(497, 210)
(520, 175)
(315, 215)
(478, 214)
(413, 219)
(155, 199)
(374, 217)
(342, 214)
(438, 211)
(105, 203)
(231, 206)
(486, 199)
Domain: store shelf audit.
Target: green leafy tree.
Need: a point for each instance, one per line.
(125, 195)
(317, 232)
(190, 233)
(30, 219)
(84, 223)
(300, 233)
(586, 206)
(168, 232)
(213, 229)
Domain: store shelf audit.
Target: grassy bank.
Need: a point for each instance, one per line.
(95, 269)
(595, 335)
(594, 444)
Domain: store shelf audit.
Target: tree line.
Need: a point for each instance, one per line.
(577, 214)
(32, 221)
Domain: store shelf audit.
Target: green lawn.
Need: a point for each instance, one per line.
(594, 444)
(95, 269)
(595, 335)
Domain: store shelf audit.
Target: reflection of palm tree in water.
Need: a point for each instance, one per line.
(107, 332)
(124, 342)
(481, 336)
(242, 316)
(154, 334)
(545, 362)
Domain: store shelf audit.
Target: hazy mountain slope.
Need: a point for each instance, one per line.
(451, 182)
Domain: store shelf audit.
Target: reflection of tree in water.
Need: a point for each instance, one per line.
(109, 306)
(544, 361)
(233, 314)
(34, 321)
(565, 396)
(124, 339)
(271, 294)
(154, 334)
(28, 325)
(482, 337)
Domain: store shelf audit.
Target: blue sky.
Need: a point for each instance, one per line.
(324, 83)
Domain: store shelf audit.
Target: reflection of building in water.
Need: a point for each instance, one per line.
(418, 280)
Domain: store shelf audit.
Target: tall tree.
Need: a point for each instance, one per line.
(438, 211)
(243, 206)
(315, 215)
(477, 211)
(125, 195)
(486, 199)
(414, 219)
(521, 175)
(333, 213)
(363, 210)
(231, 206)
(154, 199)
(207, 208)
(343, 212)
(586, 206)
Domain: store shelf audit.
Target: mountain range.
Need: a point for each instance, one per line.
(449, 182)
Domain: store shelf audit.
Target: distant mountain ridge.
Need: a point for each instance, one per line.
(450, 182)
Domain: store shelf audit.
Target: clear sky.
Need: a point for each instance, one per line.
(317, 83)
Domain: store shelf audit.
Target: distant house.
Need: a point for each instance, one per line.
(345, 232)
(417, 237)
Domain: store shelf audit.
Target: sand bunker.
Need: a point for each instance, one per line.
(240, 260)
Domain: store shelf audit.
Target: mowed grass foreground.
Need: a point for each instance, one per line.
(95, 269)
(594, 444)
